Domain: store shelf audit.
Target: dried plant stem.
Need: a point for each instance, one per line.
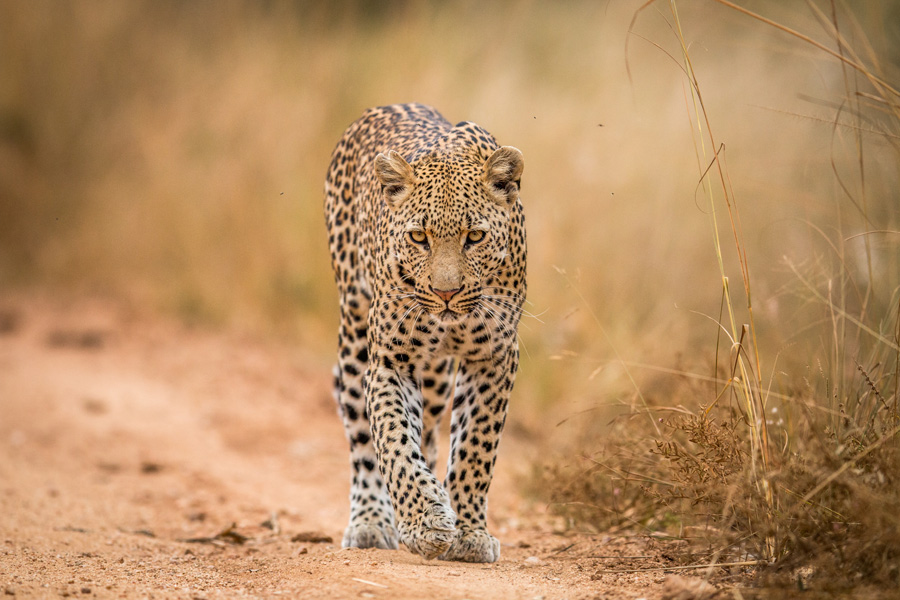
(827, 301)
(742, 563)
(856, 65)
(837, 473)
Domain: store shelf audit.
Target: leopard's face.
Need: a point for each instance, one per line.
(447, 253)
(449, 226)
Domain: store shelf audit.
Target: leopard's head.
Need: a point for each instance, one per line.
(450, 219)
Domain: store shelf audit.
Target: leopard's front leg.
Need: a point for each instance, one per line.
(424, 518)
(479, 413)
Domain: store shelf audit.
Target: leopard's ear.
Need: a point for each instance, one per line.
(503, 174)
(396, 177)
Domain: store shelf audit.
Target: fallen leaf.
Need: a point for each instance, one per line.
(228, 535)
(312, 537)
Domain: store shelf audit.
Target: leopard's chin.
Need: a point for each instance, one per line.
(451, 317)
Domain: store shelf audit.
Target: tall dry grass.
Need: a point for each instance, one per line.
(685, 177)
(790, 458)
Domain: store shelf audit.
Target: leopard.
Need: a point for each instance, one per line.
(427, 239)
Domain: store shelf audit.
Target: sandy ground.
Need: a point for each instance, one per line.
(130, 446)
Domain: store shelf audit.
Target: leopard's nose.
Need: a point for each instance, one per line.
(446, 295)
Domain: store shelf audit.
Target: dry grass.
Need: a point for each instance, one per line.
(713, 225)
(793, 463)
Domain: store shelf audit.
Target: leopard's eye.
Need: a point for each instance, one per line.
(418, 236)
(474, 237)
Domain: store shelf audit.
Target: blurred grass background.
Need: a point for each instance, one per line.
(173, 153)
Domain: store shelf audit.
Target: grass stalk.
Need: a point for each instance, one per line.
(747, 375)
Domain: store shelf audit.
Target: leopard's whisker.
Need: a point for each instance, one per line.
(498, 320)
(412, 305)
(506, 329)
(517, 325)
(500, 300)
(412, 328)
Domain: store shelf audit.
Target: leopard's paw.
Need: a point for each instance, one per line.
(476, 546)
(433, 533)
(370, 535)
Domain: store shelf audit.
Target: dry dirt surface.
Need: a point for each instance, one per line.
(140, 458)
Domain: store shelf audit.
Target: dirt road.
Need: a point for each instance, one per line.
(130, 445)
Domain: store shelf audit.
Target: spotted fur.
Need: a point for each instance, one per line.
(427, 239)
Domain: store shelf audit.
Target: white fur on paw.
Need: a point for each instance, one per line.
(435, 533)
(476, 546)
(367, 535)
